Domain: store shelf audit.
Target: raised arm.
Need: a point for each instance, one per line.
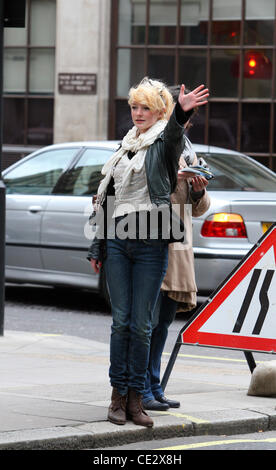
(197, 97)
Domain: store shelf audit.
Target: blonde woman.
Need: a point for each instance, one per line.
(141, 175)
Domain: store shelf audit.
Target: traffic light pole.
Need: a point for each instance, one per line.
(2, 186)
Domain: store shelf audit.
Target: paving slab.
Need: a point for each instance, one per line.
(54, 394)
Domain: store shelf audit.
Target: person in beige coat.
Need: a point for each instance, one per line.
(178, 290)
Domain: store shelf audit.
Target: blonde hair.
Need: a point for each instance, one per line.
(154, 94)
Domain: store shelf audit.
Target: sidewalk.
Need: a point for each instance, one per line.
(55, 391)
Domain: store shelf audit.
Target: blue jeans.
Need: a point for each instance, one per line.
(134, 272)
(165, 312)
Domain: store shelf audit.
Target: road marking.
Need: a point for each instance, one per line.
(181, 415)
(194, 356)
(216, 443)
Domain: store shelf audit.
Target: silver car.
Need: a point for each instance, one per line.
(48, 202)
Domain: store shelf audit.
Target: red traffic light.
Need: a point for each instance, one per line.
(256, 65)
(252, 64)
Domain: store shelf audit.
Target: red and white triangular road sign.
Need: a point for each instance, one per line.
(241, 313)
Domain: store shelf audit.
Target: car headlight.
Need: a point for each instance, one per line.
(225, 225)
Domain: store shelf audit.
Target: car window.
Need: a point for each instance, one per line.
(39, 175)
(84, 178)
(237, 173)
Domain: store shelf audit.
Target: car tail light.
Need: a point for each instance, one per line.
(224, 225)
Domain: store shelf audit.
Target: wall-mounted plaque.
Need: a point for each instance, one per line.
(77, 83)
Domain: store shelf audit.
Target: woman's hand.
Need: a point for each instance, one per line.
(199, 183)
(197, 97)
(96, 265)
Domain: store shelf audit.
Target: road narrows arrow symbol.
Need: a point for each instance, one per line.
(264, 301)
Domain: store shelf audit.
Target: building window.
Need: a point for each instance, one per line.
(29, 77)
(228, 46)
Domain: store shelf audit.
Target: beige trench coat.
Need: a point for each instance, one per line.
(180, 277)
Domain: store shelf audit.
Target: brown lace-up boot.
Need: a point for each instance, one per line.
(117, 408)
(135, 410)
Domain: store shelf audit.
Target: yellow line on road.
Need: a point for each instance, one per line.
(217, 358)
(181, 415)
(198, 445)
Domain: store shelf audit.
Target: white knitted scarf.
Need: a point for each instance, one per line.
(139, 146)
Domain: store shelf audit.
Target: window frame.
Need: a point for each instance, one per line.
(27, 95)
(241, 49)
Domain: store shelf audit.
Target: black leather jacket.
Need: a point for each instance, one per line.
(161, 165)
